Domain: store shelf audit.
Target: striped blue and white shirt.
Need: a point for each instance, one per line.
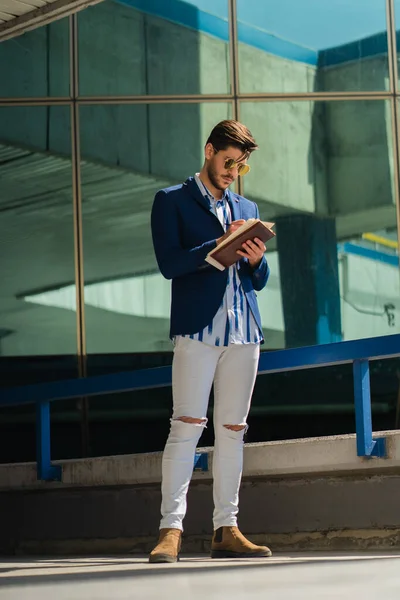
(234, 322)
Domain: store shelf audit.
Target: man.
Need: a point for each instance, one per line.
(216, 329)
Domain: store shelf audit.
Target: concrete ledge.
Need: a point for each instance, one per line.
(306, 494)
(304, 457)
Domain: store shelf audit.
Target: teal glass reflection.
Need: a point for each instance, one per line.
(129, 152)
(154, 48)
(36, 64)
(37, 299)
(311, 46)
(324, 174)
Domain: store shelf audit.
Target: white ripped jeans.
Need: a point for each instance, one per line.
(195, 367)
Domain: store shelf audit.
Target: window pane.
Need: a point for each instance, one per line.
(36, 64)
(397, 25)
(37, 299)
(324, 173)
(154, 47)
(312, 46)
(129, 152)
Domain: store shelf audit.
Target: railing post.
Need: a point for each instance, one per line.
(45, 470)
(200, 461)
(366, 445)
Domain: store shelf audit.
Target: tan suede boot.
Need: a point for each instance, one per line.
(229, 542)
(168, 547)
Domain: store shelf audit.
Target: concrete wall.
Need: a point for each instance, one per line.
(43, 128)
(301, 514)
(359, 150)
(263, 72)
(302, 494)
(37, 63)
(366, 286)
(366, 74)
(148, 56)
(289, 170)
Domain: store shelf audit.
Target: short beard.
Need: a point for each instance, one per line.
(212, 176)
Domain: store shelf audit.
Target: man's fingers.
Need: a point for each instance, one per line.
(235, 225)
(252, 249)
(260, 244)
(255, 247)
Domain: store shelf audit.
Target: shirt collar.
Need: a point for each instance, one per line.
(204, 190)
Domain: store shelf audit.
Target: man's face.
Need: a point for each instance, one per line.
(218, 174)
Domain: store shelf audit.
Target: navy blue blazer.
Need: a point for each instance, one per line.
(184, 230)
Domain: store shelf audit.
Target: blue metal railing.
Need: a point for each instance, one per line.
(358, 352)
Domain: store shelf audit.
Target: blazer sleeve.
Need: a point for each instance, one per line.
(260, 275)
(173, 260)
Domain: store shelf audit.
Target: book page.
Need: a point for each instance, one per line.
(238, 231)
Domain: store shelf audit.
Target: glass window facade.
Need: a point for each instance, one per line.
(80, 273)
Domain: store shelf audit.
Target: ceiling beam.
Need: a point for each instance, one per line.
(42, 16)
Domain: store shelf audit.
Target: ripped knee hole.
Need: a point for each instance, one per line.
(235, 427)
(191, 420)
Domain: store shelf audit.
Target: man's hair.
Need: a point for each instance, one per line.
(232, 133)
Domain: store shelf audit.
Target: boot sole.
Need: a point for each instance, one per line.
(163, 558)
(230, 554)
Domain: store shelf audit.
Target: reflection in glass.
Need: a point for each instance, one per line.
(36, 64)
(174, 47)
(36, 232)
(324, 173)
(396, 4)
(129, 152)
(309, 46)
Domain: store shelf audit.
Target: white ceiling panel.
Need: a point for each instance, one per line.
(5, 16)
(18, 16)
(16, 7)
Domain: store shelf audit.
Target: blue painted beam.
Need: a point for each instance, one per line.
(200, 461)
(387, 346)
(270, 362)
(45, 470)
(366, 445)
(88, 386)
(370, 253)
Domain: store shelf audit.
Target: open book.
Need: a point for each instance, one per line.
(225, 254)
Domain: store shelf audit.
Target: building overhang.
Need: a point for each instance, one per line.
(19, 16)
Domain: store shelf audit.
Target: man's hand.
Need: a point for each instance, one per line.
(232, 228)
(253, 250)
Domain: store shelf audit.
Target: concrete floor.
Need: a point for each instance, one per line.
(282, 577)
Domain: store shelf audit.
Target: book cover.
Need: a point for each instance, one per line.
(225, 254)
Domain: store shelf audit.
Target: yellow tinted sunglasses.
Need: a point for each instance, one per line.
(242, 168)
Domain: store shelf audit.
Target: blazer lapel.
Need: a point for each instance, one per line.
(233, 200)
(195, 192)
(235, 206)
